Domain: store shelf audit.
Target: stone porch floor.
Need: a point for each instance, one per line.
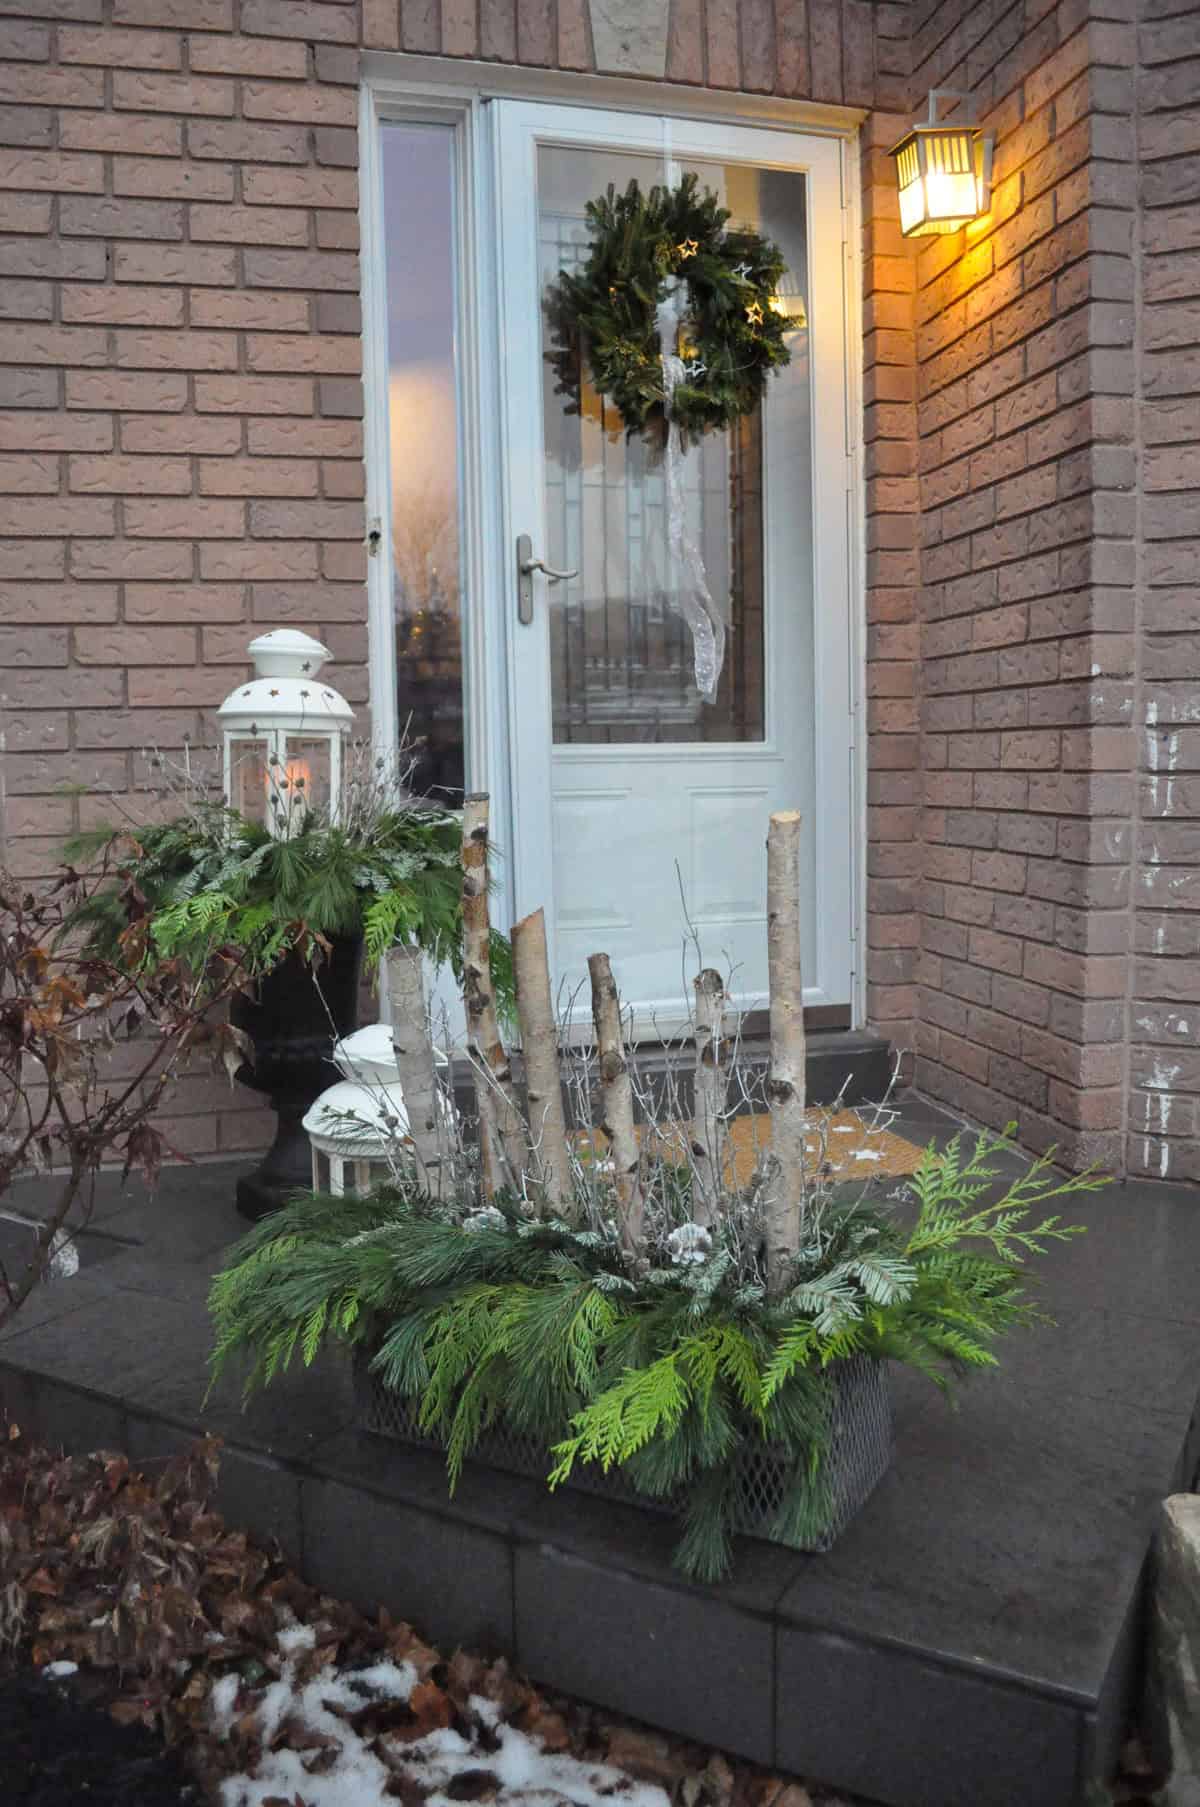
(971, 1642)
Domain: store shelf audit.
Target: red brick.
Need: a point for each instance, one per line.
(115, 48)
(248, 56)
(240, 141)
(308, 19)
(32, 431)
(122, 305)
(33, 85)
(259, 309)
(28, 474)
(209, 265)
(105, 217)
(191, 433)
(304, 438)
(296, 101)
(25, 212)
(191, 519)
(117, 475)
(120, 389)
(254, 395)
(175, 180)
(257, 477)
(182, 94)
(195, 15)
(310, 187)
(294, 520)
(26, 301)
(230, 561)
(66, 172)
(152, 136)
(303, 352)
(249, 225)
(50, 602)
(21, 38)
(32, 559)
(301, 269)
(125, 646)
(184, 602)
(58, 345)
(176, 350)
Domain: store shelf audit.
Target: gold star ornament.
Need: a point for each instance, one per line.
(754, 314)
(688, 247)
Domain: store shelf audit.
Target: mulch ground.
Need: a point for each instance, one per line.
(58, 1751)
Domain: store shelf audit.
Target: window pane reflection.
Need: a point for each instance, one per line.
(418, 187)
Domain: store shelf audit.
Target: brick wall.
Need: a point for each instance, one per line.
(1164, 989)
(1025, 336)
(180, 406)
(1058, 396)
(180, 465)
(180, 431)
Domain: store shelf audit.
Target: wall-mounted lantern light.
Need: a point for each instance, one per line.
(945, 170)
(283, 734)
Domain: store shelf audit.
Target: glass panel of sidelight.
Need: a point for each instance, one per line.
(249, 779)
(622, 667)
(419, 226)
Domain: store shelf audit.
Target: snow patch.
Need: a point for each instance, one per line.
(351, 1775)
(222, 1702)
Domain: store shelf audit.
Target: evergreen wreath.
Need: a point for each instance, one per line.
(731, 336)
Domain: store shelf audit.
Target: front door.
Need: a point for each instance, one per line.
(639, 808)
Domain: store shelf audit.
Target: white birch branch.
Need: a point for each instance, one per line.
(708, 1120)
(543, 1082)
(412, 1044)
(617, 1095)
(501, 1130)
(784, 1194)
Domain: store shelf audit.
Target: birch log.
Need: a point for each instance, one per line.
(784, 1200)
(708, 1123)
(617, 1093)
(413, 1048)
(501, 1130)
(543, 1082)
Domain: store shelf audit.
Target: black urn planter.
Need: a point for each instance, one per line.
(289, 1021)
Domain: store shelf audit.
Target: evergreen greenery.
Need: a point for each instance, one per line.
(663, 1370)
(209, 879)
(732, 337)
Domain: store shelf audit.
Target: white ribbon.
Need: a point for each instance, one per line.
(692, 596)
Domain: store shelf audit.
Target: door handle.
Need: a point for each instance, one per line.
(526, 566)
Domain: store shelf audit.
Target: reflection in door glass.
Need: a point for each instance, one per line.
(622, 668)
(418, 196)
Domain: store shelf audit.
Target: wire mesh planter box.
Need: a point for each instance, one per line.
(860, 1452)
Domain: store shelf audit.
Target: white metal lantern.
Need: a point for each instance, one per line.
(284, 735)
(944, 169)
(351, 1128)
(352, 1125)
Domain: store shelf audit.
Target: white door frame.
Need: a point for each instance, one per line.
(397, 87)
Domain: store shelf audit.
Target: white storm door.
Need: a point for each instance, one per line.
(640, 810)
